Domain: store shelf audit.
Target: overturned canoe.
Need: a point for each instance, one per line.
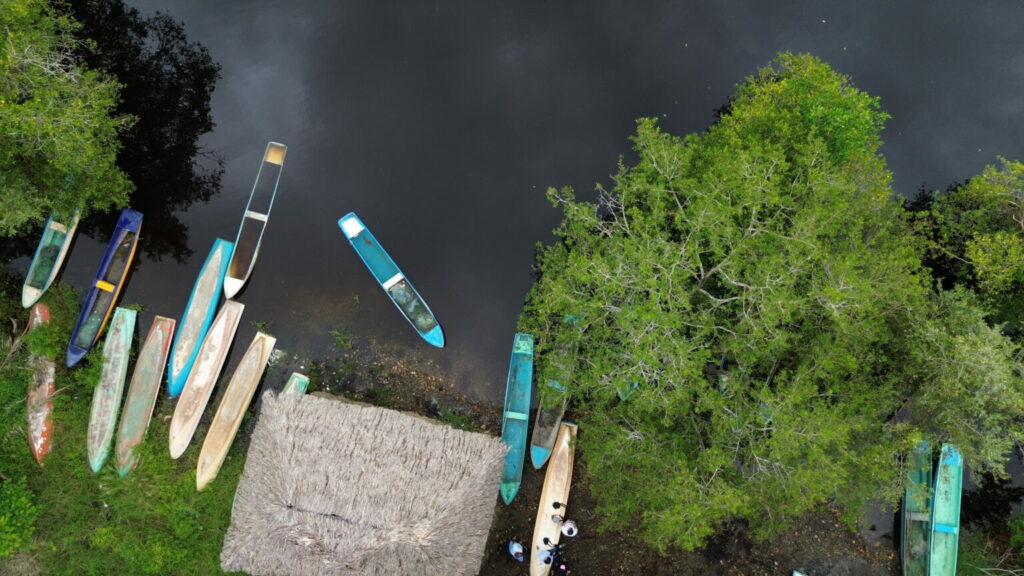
(254, 221)
(40, 392)
(946, 513)
(553, 498)
(106, 398)
(232, 407)
(203, 376)
(49, 257)
(103, 293)
(199, 313)
(917, 500)
(296, 384)
(391, 279)
(515, 419)
(550, 410)
(142, 392)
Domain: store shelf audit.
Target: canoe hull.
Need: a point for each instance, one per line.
(557, 481)
(945, 517)
(142, 393)
(515, 418)
(40, 392)
(106, 398)
(917, 512)
(296, 384)
(49, 257)
(546, 424)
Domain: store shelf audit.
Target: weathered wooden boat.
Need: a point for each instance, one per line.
(232, 408)
(945, 516)
(296, 384)
(391, 279)
(515, 419)
(106, 398)
(142, 392)
(917, 512)
(100, 299)
(40, 392)
(199, 313)
(550, 410)
(254, 221)
(557, 480)
(203, 376)
(53, 247)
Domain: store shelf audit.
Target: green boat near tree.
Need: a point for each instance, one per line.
(917, 500)
(946, 513)
(49, 257)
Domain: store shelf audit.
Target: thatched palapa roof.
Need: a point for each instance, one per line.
(336, 488)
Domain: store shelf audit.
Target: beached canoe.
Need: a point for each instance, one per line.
(296, 384)
(233, 405)
(254, 221)
(516, 417)
(142, 392)
(53, 247)
(917, 500)
(203, 376)
(391, 279)
(107, 396)
(40, 392)
(103, 293)
(946, 512)
(550, 410)
(557, 480)
(199, 313)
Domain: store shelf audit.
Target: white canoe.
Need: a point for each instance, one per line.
(556, 489)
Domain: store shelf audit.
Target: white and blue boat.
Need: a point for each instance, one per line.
(49, 257)
(515, 418)
(391, 279)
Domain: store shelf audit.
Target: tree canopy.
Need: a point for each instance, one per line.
(763, 292)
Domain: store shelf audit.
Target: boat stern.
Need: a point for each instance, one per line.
(75, 355)
(232, 286)
(509, 491)
(539, 455)
(435, 337)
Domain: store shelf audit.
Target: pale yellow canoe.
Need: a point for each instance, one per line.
(556, 489)
(203, 376)
(232, 407)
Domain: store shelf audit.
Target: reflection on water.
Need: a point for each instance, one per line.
(413, 306)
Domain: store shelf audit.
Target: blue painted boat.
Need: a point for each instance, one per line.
(199, 313)
(515, 419)
(946, 513)
(105, 289)
(917, 502)
(391, 279)
(254, 221)
(49, 257)
(553, 399)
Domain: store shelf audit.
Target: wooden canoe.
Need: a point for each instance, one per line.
(106, 398)
(550, 410)
(40, 392)
(203, 376)
(254, 221)
(199, 313)
(515, 418)
(917, 512)
(297, 384)
(49, 257)
(946, 513)
(392, 280)
(103, 293)
(557, 481)
(233, 405)
(142, 392)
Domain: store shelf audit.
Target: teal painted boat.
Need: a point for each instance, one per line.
(297, 384)
(946, 513)
(106, 398)
(917, 501)
(199, 313)
(254, 221)
(391, 279)
(515, 419)
(53, 248)
(142, 393)
(550, 410)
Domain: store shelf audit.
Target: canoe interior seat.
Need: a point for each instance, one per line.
(920, 516)
(516, 415)
(946, 528)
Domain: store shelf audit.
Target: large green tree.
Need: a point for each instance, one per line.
(759, 287)
(58, 133)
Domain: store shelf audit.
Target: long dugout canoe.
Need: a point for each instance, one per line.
(917, 500)
(515, 418)
(557, 481)
(49, 257)
(550, 409)
(40, 392)
(946, 512)
(106, 398)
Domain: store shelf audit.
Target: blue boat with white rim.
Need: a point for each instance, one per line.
(391, 279)
(515, 419)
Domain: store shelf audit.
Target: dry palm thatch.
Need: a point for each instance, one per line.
(336, 488)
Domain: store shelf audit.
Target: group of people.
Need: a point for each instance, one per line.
(552, 553)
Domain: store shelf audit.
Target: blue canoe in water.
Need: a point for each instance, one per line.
(391, 279)
(103, 293)
(946, 512)
(515, 419)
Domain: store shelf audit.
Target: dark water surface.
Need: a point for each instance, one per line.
(441, 125)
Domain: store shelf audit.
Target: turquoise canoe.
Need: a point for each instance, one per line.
(254, 221)
(515, 419)
(142, 393)
(391, 279)
(917, 501)
(199, 313)
(553, 400)
(946, 513)
(106, 398)
(49, 257)
(103, 293)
